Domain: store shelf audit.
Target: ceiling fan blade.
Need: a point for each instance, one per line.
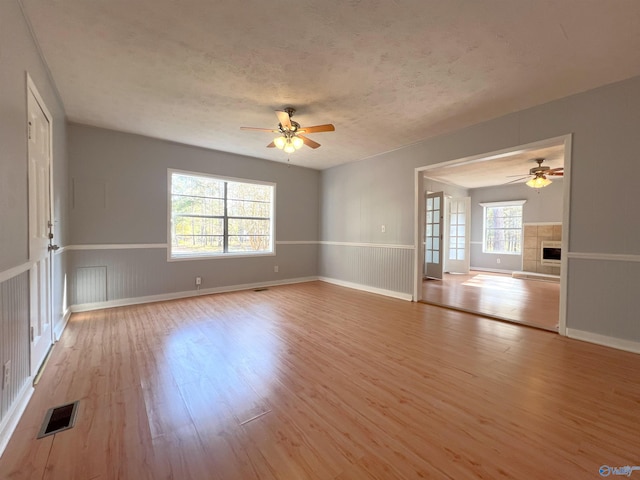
(271, 145)
(516, 180)
(308, 142)
(318, 128)
(555, 174)
(259, 129)
(559, 169)
(283, 118)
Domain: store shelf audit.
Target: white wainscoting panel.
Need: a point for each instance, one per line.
(382, 267)
(91, 284)
(14, 347)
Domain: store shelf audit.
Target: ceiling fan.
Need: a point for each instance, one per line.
(540, 174)
(291, 138)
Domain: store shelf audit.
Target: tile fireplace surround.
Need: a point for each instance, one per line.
(534, 235)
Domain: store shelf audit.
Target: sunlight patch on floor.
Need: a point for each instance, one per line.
(490, 282)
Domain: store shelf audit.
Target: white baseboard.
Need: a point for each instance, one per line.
(12, 417)
(605, 340)
(366, 288)
(59, 328)
(492, 270)
(121, 302)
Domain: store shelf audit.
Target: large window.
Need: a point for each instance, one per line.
(216, 217)
(503, 227)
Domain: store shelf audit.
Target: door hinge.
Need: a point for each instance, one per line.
(29, 129)
(32, 334)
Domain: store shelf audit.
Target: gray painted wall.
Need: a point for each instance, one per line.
(18, 55)
(543, 205)
(358, 198)
(21, 57)
(119, 184)
(603, 122)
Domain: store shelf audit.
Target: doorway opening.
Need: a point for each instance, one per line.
(482, 251)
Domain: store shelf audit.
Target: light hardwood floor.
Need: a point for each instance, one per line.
(530, 302)
(315, 381)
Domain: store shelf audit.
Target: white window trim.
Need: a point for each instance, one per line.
(508, 203)
(215, 256)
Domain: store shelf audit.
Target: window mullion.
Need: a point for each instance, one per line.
(226, 222)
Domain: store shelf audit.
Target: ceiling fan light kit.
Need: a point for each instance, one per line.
(289, 144)
(289, 148)
(290, 136)
(539, 181)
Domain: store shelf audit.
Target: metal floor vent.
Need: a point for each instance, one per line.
(261, 289)
(59, 419)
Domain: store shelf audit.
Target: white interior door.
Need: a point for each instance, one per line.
(39, 133)
(433, 235)
(458, 236)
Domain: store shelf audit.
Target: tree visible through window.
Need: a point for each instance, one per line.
(502, 227)
(213, 216)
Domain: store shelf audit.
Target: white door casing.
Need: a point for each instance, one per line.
(433, 235)
(457, 238)
(40, 221)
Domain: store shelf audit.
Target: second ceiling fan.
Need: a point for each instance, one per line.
(540, 174)
(291, 133)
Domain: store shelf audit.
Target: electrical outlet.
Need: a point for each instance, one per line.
(276, 268)
(198, 280)
(6, 377)
(498, 260)
(383, 228)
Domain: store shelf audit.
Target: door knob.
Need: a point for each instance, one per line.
(53, 247)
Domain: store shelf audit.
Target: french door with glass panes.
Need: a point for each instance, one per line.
(433, 235)
(456, 258)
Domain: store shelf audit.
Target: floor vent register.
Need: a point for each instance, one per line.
(59, 419)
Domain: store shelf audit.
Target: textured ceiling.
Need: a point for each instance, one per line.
(386, 73)
(507, 168)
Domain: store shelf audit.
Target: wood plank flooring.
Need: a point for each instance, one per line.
(529, 302)
(315, 381)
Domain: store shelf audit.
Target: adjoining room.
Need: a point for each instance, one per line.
(494, 247)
